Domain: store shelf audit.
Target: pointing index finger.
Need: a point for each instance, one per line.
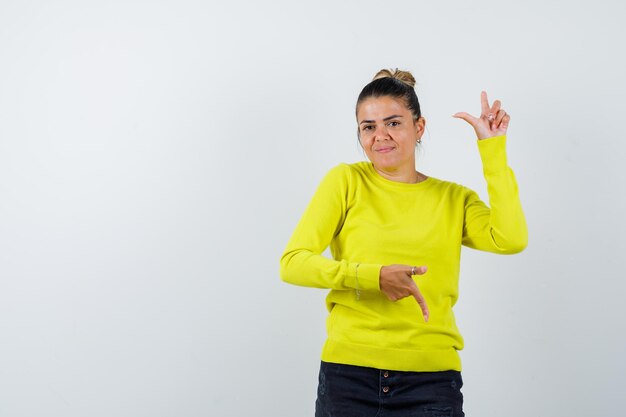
(484, 103)
(421, 301)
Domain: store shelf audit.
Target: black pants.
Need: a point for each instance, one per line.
(355, 391)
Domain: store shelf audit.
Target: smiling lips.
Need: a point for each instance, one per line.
(385, 149)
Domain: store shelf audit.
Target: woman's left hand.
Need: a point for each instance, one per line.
(493, 121)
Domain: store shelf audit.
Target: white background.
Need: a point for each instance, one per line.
(155, 157)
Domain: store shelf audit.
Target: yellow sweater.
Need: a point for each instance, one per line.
(370, 221)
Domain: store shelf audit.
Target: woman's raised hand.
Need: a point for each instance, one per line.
(493, 121)
(396, 282)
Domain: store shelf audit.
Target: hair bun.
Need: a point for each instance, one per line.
(404, 76)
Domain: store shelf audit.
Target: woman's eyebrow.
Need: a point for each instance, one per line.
(384, 120)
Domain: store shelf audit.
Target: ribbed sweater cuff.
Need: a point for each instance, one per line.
(493, 154)
(368, 276)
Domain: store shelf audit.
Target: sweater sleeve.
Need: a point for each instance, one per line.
(501, 228)
(302, 262)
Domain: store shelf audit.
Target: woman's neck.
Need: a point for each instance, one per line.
(406, 176)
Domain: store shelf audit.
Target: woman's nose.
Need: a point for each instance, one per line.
(381, 133)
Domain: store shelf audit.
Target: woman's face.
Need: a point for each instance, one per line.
(388, 133)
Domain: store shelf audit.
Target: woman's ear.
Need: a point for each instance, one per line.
(420, 124)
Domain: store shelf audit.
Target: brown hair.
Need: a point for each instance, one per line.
(394, 83)
(404, 76)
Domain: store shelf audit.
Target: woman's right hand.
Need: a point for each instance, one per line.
(396, 282)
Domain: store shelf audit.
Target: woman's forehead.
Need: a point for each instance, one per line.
(375, 108)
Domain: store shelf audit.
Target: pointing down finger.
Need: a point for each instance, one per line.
(421, 301)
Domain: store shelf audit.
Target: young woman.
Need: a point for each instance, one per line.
(395, 235)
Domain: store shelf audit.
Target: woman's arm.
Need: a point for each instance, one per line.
(501, 228)
(302, 262)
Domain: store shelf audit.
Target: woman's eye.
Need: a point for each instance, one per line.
(368, 127)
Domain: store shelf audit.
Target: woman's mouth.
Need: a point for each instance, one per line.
(386, 149)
